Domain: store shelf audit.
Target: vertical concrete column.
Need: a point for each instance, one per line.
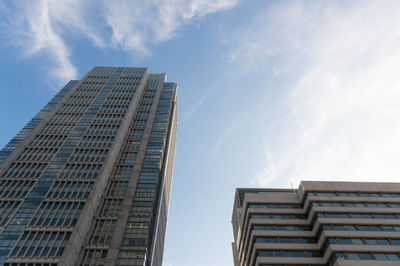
(126, 206)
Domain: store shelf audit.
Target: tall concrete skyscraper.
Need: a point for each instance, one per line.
(320, 223)
(88, 180)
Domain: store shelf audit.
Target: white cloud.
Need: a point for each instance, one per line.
(44, 37)
(136, 23)
(340, 117)
(36, 33)
(44, 25)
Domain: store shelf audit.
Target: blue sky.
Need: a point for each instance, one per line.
(270, 92)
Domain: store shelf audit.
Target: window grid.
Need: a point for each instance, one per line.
(7, 209)
(89, 155)
(57, 214)
(48, 141)
(40, 244)
(37, 154)
(61, 128)
(94, 257)
(15, 189)
(80, 99)
(67, 117)
(22, 170)
(80, 171)
(70, 189)
(103, 232)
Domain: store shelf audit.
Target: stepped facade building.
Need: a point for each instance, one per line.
(320, 223)
(88, 180)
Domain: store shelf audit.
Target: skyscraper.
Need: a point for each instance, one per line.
(320, 223)
(88, 180)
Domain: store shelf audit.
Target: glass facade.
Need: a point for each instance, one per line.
(100, 145)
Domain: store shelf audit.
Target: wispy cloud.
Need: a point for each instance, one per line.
(197, 104)
(37, 35)
(226, 133)
(340, 116)
(42, 26)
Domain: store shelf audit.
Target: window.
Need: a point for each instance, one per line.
(352, 241)
(70, 189)
(343, 228)
(374, 195)
(388, 228)
(308, 240)
(396, 241)
(336, 215)
(291, 253)
(332, 241)
(276, 216)
(368, 228)
(385, 216)
(89, 155)
(392, 257)
(289, 240)
(274, 206)
(288, 253)
(94, 257)
(377, 242)
(284, 206)
(103, 232)
(7, 210)
(313, 254)
(326, 194)
(376, 205)
(48, 244)
(331, 204)
(25, 170)
(57, 214)
(266, 240)
(15, 189)
(354, 194)
(361, 216)
(286, 227)
(347, 194)
(359, 256)
(383, 256)
(281, 227)
(263, 227)
(353, 204)
(388, 195)
(82, 171)
(269, 253)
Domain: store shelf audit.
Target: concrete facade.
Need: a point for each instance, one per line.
(320, 223)
(87, 181)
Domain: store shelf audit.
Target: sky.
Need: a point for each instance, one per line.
(269, 92)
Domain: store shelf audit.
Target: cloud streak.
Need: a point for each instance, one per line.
(340, 115)
(43, 26)
(43, 37)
